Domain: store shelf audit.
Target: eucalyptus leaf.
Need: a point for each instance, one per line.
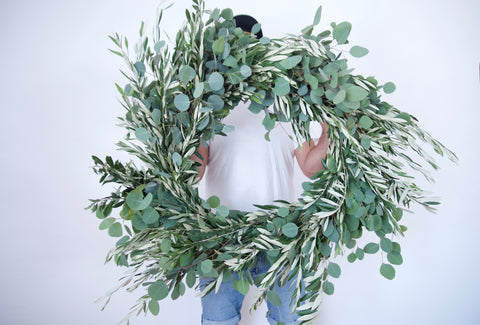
(186, 74)
(177, 159)
(389, 87)
(213, 201)
(282, 87)
(106, 223)
(150, 215)
(371, 248)
(365, 122)
(291, 61)
(154, 307)
(182, 102)
(290, 230)
(387, 271)
(216, 81)
(158, 290)
(356, 93)
(341, 32)
(334, 270)
(358, 51)
(115, 230)
(142, 134)
(246, 71)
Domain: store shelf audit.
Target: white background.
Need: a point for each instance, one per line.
(60, 107)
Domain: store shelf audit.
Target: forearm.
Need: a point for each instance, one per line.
(317, 153)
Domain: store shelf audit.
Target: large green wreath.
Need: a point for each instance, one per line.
(177, 99)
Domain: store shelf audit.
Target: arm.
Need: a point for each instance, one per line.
(203, 151)
(310, 157)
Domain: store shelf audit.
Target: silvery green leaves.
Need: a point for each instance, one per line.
(298, 80)
(341, 32)
(186, 74)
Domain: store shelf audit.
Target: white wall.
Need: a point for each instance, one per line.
(60, 107)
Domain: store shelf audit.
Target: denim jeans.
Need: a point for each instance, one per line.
(223, 307)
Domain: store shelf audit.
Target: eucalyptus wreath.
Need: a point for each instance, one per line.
(176, 99)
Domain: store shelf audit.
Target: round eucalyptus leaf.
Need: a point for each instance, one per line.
(351, 257)
(356, 93)
(166, 245)
(223, 211)
(136, 201)
(154, 307)
(269, 123)
(246, 71)
(140, 67)
(334, 270)
(218, 46)
(255, 28)
(106, 223)
(142, 134)
(371, 248)
(365, 142)
(290, 230)
(227, 13)
(358, 51)
(206, 266)
(389, 87)
(291, 61)
(264, 40)
(182, 102)
(386, 245)
(177, 159)
(365, 122)
(115, 230)
(395, 258)
(216, 102)
(150, 215)
(158, 290)
(282, 87)
(328, 288)
(216, 81)
(213, 201)
(255, 107)
(387, 271)
(186, 74)
(360, 254)
(191, 278)
(283, 212)
(341, 32)
(157, 116)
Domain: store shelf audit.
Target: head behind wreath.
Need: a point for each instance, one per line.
(246, 22)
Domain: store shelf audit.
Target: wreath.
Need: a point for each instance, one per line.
(176, 100)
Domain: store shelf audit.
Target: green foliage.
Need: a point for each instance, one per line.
(341, 32)
(358, 51)
(158, 290)
(389, 87)
(176, 98)
(387, 271)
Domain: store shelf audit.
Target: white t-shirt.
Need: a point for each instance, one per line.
(245, 169)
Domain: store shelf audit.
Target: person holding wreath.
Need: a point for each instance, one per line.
(244, 169)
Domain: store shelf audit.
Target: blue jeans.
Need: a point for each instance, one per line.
(223, 307)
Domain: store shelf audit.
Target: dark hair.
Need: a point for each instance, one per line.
(246, 22)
